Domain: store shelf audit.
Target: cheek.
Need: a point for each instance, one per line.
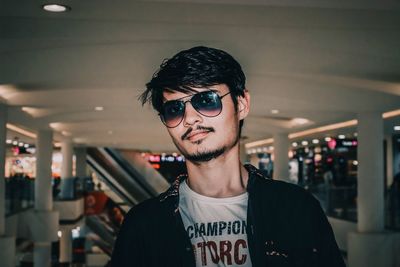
(176, 133)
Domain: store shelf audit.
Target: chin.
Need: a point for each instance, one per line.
(204, 156)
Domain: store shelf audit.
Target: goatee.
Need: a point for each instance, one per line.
(205, 156)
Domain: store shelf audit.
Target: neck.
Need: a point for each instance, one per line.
(221, 177)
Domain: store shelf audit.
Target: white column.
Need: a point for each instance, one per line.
(44, 153)
(66, 169)
(42, 254)
(66, 190)
(67, 152)
(45, 218)
(66, 245)
(3, 121)
(7, 243)
(281, 158)
(371, 245)
(80, 161)
(389, 160)
(370, 173)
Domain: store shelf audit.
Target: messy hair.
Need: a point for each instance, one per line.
(197, 67)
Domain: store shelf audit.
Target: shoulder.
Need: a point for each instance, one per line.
(280, 194)
(267, 186)
(285, 192)
(144, 211)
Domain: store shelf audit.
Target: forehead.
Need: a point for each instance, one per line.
(173, 95)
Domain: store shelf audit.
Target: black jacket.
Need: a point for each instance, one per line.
(285, 227)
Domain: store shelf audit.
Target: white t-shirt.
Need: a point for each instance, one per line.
(216, 228)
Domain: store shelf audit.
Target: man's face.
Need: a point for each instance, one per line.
(200, 138)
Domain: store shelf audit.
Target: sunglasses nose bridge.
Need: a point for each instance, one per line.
(190, 114)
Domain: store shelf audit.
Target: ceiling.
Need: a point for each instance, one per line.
(324, 61)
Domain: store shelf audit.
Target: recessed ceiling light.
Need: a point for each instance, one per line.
(274, 111)
(15, 143)
(20, 144)
(342, 136)
(315, 141)
(55, 125)
(55, 8)
(8, 141)
(65, 133)
(300, 121)
(304, 143)
(294, 144)
(57, 144)
(396, 128)
(99, 108)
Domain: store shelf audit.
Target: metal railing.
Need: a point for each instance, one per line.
(341, 202)
(20, 194)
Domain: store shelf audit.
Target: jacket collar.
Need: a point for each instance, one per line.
(173, 191)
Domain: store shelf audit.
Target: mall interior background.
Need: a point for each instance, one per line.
(78, 150)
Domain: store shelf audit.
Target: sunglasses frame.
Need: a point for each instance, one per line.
(190, 100)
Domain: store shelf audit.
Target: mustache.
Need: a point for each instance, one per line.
(199, 127)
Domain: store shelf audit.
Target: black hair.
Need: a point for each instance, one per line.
(197, 67)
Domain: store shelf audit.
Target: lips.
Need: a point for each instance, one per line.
(197, 135)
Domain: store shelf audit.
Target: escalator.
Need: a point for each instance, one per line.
(132, 179)
(104, 232)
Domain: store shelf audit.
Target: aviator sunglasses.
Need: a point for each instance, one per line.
(207, 103)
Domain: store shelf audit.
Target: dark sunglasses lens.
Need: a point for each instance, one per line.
(172, 113)
(207, 103)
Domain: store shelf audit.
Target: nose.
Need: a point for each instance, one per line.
(191, 116)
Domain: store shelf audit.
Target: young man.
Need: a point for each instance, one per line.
(220, 213)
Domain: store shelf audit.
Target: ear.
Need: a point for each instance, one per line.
(244, 105)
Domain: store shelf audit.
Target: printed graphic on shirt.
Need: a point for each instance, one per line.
(226, 251)
(216, 228)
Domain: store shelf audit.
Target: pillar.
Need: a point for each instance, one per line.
(67, 183)
(80, 162)
(42, 254)
(66, 246)
(3, 121)
(67, 192)
(7, 243)
(370, 173)
(389, 160)
(67, 152)
(370, 245)
(44, 223)
(44, 153)
(281, 158)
